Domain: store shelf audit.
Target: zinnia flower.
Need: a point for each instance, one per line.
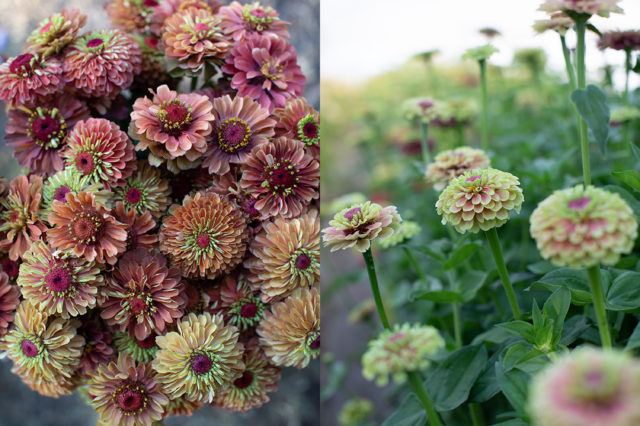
(299, 120)
(582, 7)
(26, 78)
(86, 228)
(251, 390)
(97, 349)
(580, 227)
(56, 32)
(290, 332)
(240, 125)
(138, 227)
(172, 127)
(9, 267)
(452, 163)
(407, 230)
(20, 218)
(99, 149)
(287, 256)
(39, 135)
(145, 191)
(265, 68)
(423, 109)
(71, 181)
(56, 282)
(102, 63)
(199, 360)
(360, 224)
(241, 305)
(355, 411)
(192, 37)
(143, 295)
(9, 301)
(167, 8)
(401, 350)
(205, 237)
(587, 386)
(620, 40)
(282, 177)
(153, 72)
(480, 200)
(481, 53)
(181, 407)
(126, 393)
(131, 15)
(143, 350)
(558, 22)
(239, 20)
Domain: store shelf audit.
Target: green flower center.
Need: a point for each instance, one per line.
(308, 130)
(313, 341)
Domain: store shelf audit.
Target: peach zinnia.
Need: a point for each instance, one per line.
(299, 120)
(26, 78)
(138, 227)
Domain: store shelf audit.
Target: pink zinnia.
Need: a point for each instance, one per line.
(167, 8)
(265, 68)
(239, 20)
(26, 78)
(173, 127)
(9, 301)
(38, 135)
(240, 125)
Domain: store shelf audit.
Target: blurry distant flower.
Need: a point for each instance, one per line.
(480, 200)
(399, 351)
(25, 78)
(452, 163)
(580, 227)
(355, 412)
(200, 359)
(145, 191)
(362, 311)
(143, 350)
(587, 386)
(130, 15)
(9, 301)
(624, 114)
(71, 181)
(620, 40)
(360, 224)
(481, 53)
(56, 32)
(343, 202)
(290, 333)
(422, 109)
(407, 230)
(558, 22)
(102, 63)
(39, 135)
(193, 37)
(489, 32)
(582, 7)
(454, 112)
(238, 21)
(265, 68)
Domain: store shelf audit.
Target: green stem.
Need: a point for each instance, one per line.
(625, 99)
(484, 119)
(424, 141)
(567, 63)
(476, 414)
(595, 279)
(373, 280)
(416, 383)
(415, 264)
(584, 140)
(457, 329)
(496, 250)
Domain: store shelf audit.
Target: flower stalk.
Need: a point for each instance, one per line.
(597, 292)
(584, 140)
(424, 142)
(484, 118)
(496, 250)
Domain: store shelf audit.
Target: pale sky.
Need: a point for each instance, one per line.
(362, 38)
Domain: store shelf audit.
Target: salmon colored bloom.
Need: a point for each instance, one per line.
(138, 227)
(26, 78)
(56, 32)
(9, 301)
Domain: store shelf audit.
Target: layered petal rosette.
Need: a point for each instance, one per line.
(145, 191)
(240, 305)
(71, 181)
(56, 32)
(27, 78)
(452, 163)
(138, 227)
(239, 20)
(299, 120)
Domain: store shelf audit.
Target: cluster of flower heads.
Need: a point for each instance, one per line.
(162, 252)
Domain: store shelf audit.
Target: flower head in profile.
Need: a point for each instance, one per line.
(20, 220)
(265, 69)
(145, 190)
(143, 350)
(99, 149)
(286, 256)
(71, 181)
(138, 227)
(299, 120)
(9, 301)
(624, 114)
(167, 8)
(200, 359)
(56, 32)
(39, 135)
(102, 63)
(582, 227)
(290, 332)
(56, 282)
(587, 386)
(240, 125)
(358, 225)
(86, 228)
(407, 230)
(480, 200)
(480, 53)
(205, 237)
(620, 40)
(126, 393)
(558, 22)
(400, 350)
(585, 8)
(422, 109)
(26, 78)
(282, 177)
(238, 21)
(240, 304)
(454, 112)
(452, 163)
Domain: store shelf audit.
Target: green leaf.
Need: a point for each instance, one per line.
(512, 422)
(635, 150)
(593, 29)
(449, 384)
(574, 279)
(592, 106)
(514, 385)
(634, 339)
(541, 268)
(438, 296)
(409, 413)
(471, 282)
(573, 328)
(630, 177)
(624, 292)
(519, 328)
(459, 255)
(555, 309)
(519, 353)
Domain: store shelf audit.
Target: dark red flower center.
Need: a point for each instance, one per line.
(203, 241)
(152, 42)
(133, 195)
(150, 3)
(233, 135)
(282, 176)
(29, 348)
(147, 343)
(258, 12)
(137, 304)
(86, 227)
(579, 203)
(351, 213)
(45, 128)
(175, 116)
(249, 207)
(85, 163)
(315, 344)
(60, 194)
(176, 113)
(244, 381)
(58, 279)
(303, 261)
(310, 130)
(130, 398)
(10, 267)
(249, 310)
(201, 364)
(21, 64)
(95, 42)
